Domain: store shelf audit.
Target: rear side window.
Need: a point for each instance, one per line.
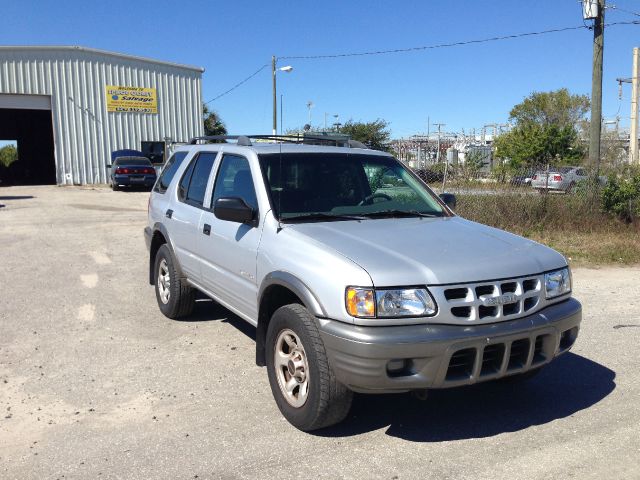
(194, 182)
(169, 172)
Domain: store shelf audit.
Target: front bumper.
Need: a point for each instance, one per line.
(395, 359)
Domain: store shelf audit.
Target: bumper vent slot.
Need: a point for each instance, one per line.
(519, 354)
(461, 364)
(568, 338)
(492, 359)
(538, 349)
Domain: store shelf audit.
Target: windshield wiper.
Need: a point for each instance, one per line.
(400, 213)
(321, 217)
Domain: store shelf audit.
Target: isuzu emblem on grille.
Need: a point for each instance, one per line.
(505, 299)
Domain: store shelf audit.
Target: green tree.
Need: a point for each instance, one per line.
(376, 134)
(546, 129)
(213, 124)
(8, 155)
(559, 108)
(536, 144)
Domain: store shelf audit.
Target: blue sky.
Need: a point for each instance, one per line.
(464, 87)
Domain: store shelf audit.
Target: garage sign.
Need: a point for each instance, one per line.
(131, 99)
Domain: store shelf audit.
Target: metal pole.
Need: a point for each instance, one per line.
(635, 85)
(275, 104)
(596, 89)
(281, 123)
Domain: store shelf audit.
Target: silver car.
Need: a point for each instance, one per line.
(357, 277)
(562, 179)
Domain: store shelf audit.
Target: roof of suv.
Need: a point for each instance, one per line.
(269, 147)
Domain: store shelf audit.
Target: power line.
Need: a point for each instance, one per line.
(415, 49)
(239, 83)
(615, 7)
(452, 44)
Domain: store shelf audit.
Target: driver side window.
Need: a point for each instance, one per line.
(234, 180)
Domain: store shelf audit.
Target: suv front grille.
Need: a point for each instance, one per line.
(491, 301)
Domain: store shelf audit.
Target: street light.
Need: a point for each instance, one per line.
(286, 69)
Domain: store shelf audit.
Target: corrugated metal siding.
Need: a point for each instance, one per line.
(84, 133)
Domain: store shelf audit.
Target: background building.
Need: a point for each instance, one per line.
(70, 107)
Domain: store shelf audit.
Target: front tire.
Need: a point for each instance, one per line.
(302, 381)
(175, 297)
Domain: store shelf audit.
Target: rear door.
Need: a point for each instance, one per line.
(228, 249)
(183, 217)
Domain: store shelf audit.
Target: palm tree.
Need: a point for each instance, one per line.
(213, 124)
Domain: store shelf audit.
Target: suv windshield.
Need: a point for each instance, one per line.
(339, 186)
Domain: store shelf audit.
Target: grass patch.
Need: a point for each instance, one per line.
(572, 224)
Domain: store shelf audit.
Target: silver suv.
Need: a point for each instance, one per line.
(357, 277)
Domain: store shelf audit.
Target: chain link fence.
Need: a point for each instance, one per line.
(535, 198)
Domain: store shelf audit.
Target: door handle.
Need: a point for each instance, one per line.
(168, 213)
(206, 229)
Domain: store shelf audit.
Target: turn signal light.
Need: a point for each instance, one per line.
(359, 302)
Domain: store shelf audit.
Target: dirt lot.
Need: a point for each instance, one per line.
(96, 383)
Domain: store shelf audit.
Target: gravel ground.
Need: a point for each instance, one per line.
(96, 383)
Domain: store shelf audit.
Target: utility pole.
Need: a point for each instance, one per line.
(438, 151)
(596, 88)
(635, 85)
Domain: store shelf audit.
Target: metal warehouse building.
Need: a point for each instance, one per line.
(70, 107)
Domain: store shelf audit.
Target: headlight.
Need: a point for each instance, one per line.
(389, 303)
(557, 283)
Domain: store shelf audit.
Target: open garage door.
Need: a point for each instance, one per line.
(27, 119)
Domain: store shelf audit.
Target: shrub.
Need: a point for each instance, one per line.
(621, 196)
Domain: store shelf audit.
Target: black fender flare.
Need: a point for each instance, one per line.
(295, 285)
(159, 227)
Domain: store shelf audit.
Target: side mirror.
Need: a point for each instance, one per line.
(449, 200)
(234, 209)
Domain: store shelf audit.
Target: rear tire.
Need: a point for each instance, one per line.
(114, 187)
(175, 297)
(302, 381)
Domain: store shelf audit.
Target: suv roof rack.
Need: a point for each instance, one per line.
(245, 140)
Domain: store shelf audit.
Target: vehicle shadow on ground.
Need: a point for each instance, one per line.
(16, 197)
(207, 310)
(570, 384)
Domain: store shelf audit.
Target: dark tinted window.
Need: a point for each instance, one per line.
(234, 180)
(169, 172)
(185, 180)
(201, 169)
